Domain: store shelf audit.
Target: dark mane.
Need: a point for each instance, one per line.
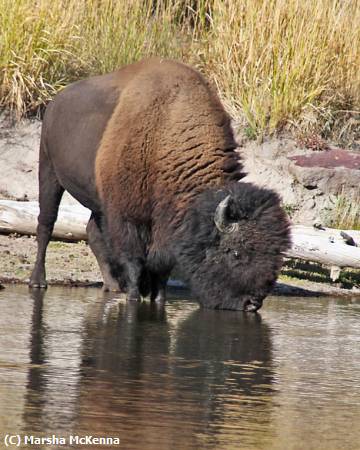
(205, 257)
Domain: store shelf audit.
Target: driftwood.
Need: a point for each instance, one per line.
(21, 217)
(334, 248)
(326, 245)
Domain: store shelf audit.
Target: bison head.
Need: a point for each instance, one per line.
(230, 245)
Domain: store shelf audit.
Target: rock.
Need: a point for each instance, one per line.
(327, 181)
(308, 191)
(336, 157)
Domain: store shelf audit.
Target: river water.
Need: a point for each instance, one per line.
(77, 362)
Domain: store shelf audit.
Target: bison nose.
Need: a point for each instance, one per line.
(252, 305)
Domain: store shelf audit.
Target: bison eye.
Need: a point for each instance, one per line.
(236, 253)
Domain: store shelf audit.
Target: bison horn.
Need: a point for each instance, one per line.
(220, 219)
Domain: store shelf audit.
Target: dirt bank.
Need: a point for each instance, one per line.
(74, 265)
(19, 149)
(308, 191)
(310, 182)
(66, 263)
(308, 186)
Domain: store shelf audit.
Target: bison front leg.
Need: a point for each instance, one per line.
(133, 269)
(128, 254)
(98, 247)
(158, 287)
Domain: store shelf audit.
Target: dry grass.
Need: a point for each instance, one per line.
(45, 44)
(346, 213)
(37, 52)
(276, 62)
(287, 61)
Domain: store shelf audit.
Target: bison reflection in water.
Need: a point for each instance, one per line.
(150, 151)
(133, 372)
(172, 380)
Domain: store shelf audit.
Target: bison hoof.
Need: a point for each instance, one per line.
(111, 288)
(133, 296)
(252, 306)
(36, 285)
(160, 298)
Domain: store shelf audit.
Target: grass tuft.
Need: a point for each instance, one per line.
(346, 212)
(46, 44)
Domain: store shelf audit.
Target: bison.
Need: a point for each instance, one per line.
(149, 149)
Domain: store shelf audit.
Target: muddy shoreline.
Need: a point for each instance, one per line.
(74, 265)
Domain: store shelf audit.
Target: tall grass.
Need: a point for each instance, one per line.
(115, 33)
(281, 61)
(276, 63)
(37, 52)
(45, 44)
(346, 212)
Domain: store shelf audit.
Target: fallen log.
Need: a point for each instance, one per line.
(331, 247)
(326, 246)
(21, 217)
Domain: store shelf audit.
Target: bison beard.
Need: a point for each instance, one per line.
(150, 151)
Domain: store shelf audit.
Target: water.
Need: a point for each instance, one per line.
(80, 362)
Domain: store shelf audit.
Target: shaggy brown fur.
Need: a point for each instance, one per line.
(168, 139)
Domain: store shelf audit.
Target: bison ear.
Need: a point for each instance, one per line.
(221, 217)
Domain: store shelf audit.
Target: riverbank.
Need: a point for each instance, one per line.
(73, 264)
(69, 264)
(316, 185)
